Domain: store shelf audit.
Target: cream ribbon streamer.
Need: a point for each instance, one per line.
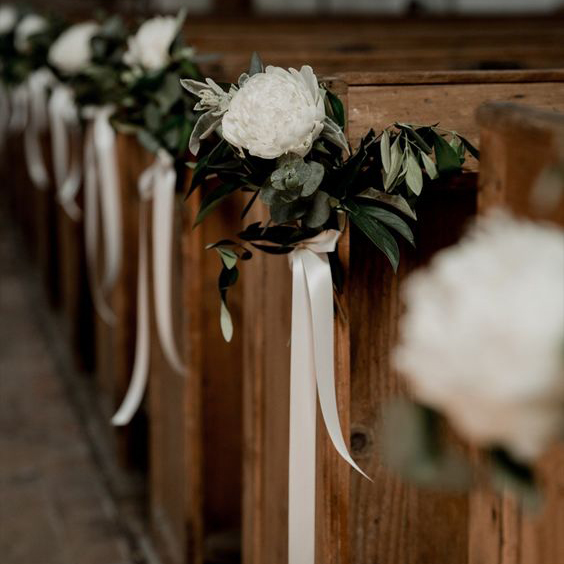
(19, 102)
(65, 125)
(37, 84)
(312, 366)
(101, 185)
(157, 183)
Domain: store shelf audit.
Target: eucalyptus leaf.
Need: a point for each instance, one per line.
(319, 212)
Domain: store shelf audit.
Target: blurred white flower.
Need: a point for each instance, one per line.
(150, 46)
(482, 339)
(276, 112)
(29, 26)
(72, 51)
(8, 19)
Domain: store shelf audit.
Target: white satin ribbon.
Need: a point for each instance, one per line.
(101, 185)
(38, 84)
(157, 183)
(312, 367)
(19, 107)
(65, 125)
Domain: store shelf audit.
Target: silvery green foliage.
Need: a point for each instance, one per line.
(292, 192)
(214, 101)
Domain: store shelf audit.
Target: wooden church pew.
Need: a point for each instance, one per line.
(385, 521)
(519, 145)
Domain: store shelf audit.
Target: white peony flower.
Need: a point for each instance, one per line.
(150, 46)
(276, 112)
(72, 51)
(30, 25)
(482, 339)
(8, 19)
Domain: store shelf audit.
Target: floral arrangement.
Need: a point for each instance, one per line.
(482, 345)
(25, 39)
(278, 135)
(88, 57)
(155, 106)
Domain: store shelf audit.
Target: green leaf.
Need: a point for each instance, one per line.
(336, 108)
(470, 148)
(319, 212)
(257, 65)
(396, 162)
(228, 257)
(414, 177)
(447, 158)
(226, 322)
(385, 150)
(412, 132)
(379, 235)
(391, 220)
(394, 200)
(213, 199)
(430, 166)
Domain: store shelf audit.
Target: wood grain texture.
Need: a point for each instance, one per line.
(517, 144)
(267, 283)
(392, 522)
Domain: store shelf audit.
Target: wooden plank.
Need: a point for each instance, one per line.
(517, 144)
(391, 522)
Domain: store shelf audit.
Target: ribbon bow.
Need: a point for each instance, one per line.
(37, 85)
(157, 183)
(101, 184)
(312, 374)
(63, 116)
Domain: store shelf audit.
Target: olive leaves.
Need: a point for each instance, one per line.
(407, 151)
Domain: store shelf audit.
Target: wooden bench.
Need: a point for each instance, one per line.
(358, 521)
(518, 145)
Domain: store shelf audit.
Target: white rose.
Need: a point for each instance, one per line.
(150, 46)
(8, 19)
(72, 51)
(29, 26)
(276, 112)
(482, 339)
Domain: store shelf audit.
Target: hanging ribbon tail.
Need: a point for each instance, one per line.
(91, 229)
(38, 83)
(63, 117)
(104, 141)
(312, 375)
(163, 222)
(303, 408)
(19, 109)
(138, 384)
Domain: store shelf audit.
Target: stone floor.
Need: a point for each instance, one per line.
(55, 506)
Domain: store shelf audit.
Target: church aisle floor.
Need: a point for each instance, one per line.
(54, 504)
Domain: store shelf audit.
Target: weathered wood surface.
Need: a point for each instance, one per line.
(115, 344)
(389, 521)
(519, 143)
(45, 207)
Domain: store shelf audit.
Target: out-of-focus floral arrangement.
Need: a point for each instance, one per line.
(482, 346)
